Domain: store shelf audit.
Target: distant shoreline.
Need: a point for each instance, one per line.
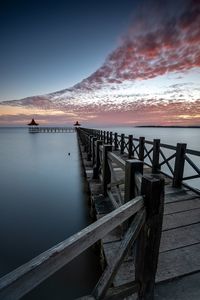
(170, 126)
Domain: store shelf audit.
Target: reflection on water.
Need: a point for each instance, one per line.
(42, 203)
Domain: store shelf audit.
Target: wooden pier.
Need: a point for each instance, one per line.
(147, 218)
(42, 129)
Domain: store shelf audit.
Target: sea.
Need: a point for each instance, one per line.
(43, 201)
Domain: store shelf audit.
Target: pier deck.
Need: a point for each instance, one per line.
(180, 241)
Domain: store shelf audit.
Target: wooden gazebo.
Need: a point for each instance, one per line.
(33, 123)
(77, 124)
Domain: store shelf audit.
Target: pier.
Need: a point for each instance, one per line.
(42, 129)
(147, 218)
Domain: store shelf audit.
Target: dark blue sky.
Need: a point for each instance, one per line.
(51, 45)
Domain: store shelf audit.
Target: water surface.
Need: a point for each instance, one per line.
(42, 203)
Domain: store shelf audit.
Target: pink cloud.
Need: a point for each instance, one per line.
(154, 45)
(171, 46)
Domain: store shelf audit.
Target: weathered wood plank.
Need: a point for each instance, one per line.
(113, 236)
(125, 274)
(102, 204)
(178, 262)
(181, 219)
(111, 251)
(22, 280)
(119, 293)
(171, 190)
(179, 196)
(181, 206)
(180, 237)
(171, 264)
(117, 159)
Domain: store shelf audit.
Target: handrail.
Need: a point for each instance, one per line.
(117, 159)
(171, 165)
(23, 279)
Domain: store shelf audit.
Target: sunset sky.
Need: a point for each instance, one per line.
(102, 62)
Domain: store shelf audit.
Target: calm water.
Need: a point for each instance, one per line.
(170, 136)
(42, 202)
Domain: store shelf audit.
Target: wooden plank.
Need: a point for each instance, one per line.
(178, 262)
(22, 280)
(174, 207)
(102, 205)
(175, 197)
(118, 293)
(125, 274)
(171, 264)
(111, 251)
(181, 219)
(180, 237)
(117, 159)
(171, 190)
(113, 236)
(95, 187)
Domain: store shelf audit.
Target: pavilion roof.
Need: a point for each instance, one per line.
(33, 123)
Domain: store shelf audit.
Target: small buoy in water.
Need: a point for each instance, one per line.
(68, 153)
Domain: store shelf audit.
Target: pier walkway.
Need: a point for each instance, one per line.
(180, 240)
(42, 129)
(147, 219)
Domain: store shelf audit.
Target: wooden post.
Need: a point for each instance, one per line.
(141, 148)
(179, 164)
(148, 243)
(132, 167)
(104, 137)
(122, 143)
(89, 148)
(111, 138)
(156, 154)
(93, 150)
(101, 135)
(107, 137)
(115, 141)
(106, 175)
(98, 135)
(130, 146)
(97, 163)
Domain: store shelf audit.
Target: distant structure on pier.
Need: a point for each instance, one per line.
(77, 124)
(33, 123)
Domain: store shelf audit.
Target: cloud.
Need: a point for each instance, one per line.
(163, 39)
(153, 47)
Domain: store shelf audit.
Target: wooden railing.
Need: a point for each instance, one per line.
(122, 180)
(140, 208)
(162, 158)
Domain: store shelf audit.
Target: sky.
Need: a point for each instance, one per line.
(101, 62)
